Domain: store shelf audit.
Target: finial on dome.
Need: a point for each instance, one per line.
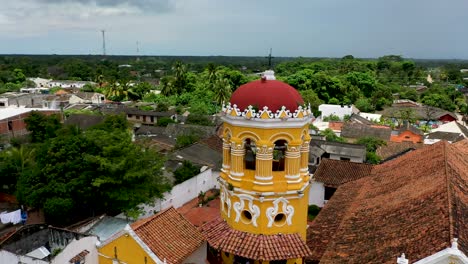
(269, 75)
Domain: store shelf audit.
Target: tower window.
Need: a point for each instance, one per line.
(246, 216)
(250, 154)
(279, 153)
(280, 219)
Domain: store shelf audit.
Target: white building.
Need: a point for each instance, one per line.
(341, 111)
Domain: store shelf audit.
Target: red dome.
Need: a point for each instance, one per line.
(271, 93)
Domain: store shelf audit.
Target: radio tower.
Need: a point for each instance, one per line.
(138, 50)
(103, 42)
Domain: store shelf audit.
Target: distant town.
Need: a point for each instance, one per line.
(192, 160)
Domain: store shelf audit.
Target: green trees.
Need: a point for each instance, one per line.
(331, 136)
(372, 144)
(187, 171)
(41, 126)
(77, 173)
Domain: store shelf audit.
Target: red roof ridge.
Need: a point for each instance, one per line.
(139, 223)
(447, 181)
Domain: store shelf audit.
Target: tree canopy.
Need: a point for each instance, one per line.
(73, 174)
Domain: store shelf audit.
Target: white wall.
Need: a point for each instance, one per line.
(75, 247)
(199, 256)
(352, 159)
(338, 110)
(8, 257)
(317, 194)
(183, 192)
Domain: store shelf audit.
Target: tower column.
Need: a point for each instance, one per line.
(293, 163)
(264, 157)
(226, 155)
(305, 159)
(237, 160)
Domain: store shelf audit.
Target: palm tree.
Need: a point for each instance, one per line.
(180, 76)
(222, 90)
(167, 86)
(212, 76)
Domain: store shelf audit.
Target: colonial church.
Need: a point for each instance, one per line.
(264, 180)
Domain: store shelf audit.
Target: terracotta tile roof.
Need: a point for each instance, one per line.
(333, 173)
(395, 148)
(414, 204)
(169, 235)
(214, 142)
(199, 216)
(80, 256)
(254, 246)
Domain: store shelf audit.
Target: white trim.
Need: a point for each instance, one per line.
(232, 178)
(267, 123)
(446, 255)
(236, 174)
(263, 178)
(296, 181)
(293, 176)
(263, 183)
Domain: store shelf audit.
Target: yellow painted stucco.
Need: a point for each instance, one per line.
(128, 251)
(259, 189)
(229, 259)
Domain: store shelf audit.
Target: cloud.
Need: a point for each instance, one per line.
(150, 6)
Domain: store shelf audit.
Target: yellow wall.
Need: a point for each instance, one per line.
(269, 192)
(128, 251)
(230, 260)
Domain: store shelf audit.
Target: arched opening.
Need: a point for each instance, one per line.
(279, 153)
(250, 154)
(280, 219)
(246, 216)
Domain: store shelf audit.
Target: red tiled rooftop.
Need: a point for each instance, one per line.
(333, 173)
(169, 235)
(254, 246)
(197, 215)
(415, 204)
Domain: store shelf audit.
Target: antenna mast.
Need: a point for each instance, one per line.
(270, 58)
(103, 42)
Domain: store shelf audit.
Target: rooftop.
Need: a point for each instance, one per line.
(13, 111)
(169, 235)
(254, 246)
(415, 204)
(334, 173)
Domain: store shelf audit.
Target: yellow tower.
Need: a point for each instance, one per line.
(264, 179)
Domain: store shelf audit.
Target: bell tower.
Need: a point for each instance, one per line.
(264, 179)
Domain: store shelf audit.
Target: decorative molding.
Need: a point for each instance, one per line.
(263, 183)
(232, 114)
(240, 206)
(225, 200)
(288, 210)
(293, 176)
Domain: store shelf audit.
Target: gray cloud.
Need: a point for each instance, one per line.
(150, 6)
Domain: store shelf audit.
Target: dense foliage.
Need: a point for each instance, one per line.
(185, 172)
(73, 174)
(200, 84)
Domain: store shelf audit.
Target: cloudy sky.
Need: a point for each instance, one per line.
(318, 28)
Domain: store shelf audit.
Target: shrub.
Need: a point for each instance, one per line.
(312, 211)
(195, 119)
(185, 140)
(187, 171)
(331, 118)
(164, 121)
